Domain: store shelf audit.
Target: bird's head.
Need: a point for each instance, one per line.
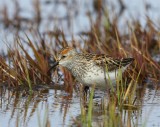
(66, 55)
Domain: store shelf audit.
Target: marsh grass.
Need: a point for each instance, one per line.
(37, 67)
(18, 68)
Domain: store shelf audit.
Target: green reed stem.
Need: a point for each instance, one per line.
(90, 107)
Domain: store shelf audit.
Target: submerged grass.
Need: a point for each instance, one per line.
(43, 121)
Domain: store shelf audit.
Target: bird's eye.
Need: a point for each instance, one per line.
(63, 57)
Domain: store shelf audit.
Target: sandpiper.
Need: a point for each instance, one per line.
(92, 69)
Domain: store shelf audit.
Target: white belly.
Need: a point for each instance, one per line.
(101, 78)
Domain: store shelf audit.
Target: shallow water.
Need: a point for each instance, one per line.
(59, 108)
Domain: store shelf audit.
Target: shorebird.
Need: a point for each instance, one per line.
(92, 69)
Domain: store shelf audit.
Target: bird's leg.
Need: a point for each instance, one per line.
(85, 92)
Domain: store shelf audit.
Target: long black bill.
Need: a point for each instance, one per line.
(54, 65)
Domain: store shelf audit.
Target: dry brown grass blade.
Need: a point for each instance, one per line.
(36, 70)
(146, 58)
(7, 70)
(7, 73)
(29, 58)
(42, 63)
